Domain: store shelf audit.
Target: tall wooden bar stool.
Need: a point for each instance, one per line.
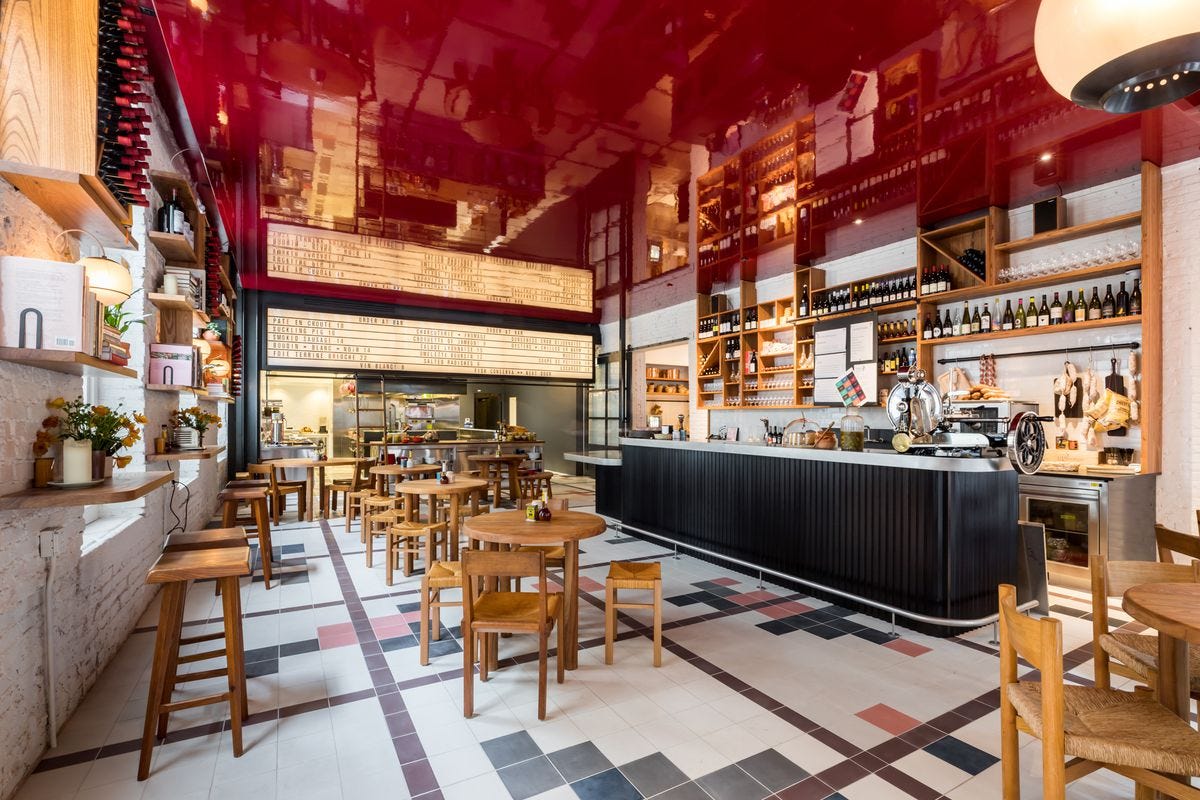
(412, 540)
(173, 571)
(256, 499)
(440, 575)
(632, 575)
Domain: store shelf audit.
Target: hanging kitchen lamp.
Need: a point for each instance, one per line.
(1119, 55)
(108, 280)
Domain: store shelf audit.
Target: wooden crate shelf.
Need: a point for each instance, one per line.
(66, 361)
(74, 200)
(177, 302)
(186, 455)
(174, 247)
(121, 488)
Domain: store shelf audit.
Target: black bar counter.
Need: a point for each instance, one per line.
(929, 535)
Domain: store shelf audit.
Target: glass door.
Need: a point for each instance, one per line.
(1072, 527)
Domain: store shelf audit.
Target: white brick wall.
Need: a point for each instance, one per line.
(99, 594)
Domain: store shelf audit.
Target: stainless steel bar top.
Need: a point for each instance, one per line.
(602, 458)
(875, 458)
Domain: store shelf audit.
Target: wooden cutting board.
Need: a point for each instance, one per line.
(1117, 384)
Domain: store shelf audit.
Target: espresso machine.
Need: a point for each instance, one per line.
(273, 422)
(926, 423)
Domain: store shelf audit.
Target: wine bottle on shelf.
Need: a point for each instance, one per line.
(1006, 322)
(1068, 315)
(976, 321)
(964, 321)
(1056, 311)
(1031, 313)
(1122, 301)
(947, 324)
(985, 319)
(927, 328)
(1108, 306)
(937, 325)
(1043, 314)
(1095, 309)
(1019, 319)
(1135, 298)
(752, 364)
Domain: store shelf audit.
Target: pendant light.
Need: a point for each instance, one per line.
(108, 280)
(1119, 55)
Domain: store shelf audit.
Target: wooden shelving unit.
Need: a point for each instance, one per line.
(1072, 232)
(943, 246)
(121, 488)
(66, 361)
(186, 455)
(174, 247)
(177, 302)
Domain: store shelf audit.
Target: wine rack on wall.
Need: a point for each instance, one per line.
(72, 119)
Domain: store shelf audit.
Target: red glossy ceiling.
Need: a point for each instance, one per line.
(459, 122)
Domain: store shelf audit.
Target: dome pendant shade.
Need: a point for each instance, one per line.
(1119, 55)
(108, 280)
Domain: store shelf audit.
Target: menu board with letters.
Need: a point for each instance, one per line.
(320, 256)
(364, 343)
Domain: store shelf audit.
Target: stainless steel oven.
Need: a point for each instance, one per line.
(1086, 516)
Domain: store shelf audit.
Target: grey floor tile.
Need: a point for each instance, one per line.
(530, 778)
(510, 749)
(609, 785)
(580, 761)
(653, 774)
(732, 783)
(773, 770)
(687, 791)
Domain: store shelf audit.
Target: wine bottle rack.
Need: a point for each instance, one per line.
(122, 121)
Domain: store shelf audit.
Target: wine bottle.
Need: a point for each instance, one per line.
(1095, 310)
(1031, 314)
(1068, 309)
(1056, 311)
(1043, 314)
(803, 305)
(958, 321)
(1019, 319)
(752, 366)
(1108, 306)
(1135, 299)
(927, 328)
(976, 321)
(985, 320)
(947, 325)
(1006, 322)
(1122, 301)
(937, 325)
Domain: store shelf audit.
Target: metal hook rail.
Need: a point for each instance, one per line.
(892, 610)
(1024, 353)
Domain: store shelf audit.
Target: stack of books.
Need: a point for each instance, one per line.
(112, 348)
(190, 284)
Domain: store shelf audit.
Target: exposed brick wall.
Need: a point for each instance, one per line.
(99, 594)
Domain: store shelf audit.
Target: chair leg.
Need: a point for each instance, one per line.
(369, 538)
(543, 636)
(276, 511)
(559, 664)
(485, 655)
(658, 623)
(235, 588)
(610, 620)
(229, 513)
(171, 671)
(424, 633)
(172, 605)
(468, 641)
(349, 511)
(264, 540)
(389, 557)
(1010, 764)
(233, 656)
(408, 557)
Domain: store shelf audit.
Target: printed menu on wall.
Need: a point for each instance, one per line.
(354, 342)
(319, 256)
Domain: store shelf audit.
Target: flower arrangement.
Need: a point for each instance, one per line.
(194, 417)
(109, 430)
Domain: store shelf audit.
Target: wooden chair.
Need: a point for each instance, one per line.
(231, 500)
(376, 522)
(632, 575)
(354, 501)
(360, 479)
(173, 571)
(409, 541)
(491, 612)
(1171, 542)
(532, 484)
(1132, 655)
(1129, 733)
(440, 575)
(280, 489)
(371, 506)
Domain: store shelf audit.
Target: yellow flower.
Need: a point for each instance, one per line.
(100, 411)
(122, 462)
(57, 402)
(140, 417)
(40, 449)
(128, 441)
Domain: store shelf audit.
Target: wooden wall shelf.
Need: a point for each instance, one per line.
(174, 248)
(1068, 328)
(1065, 279)
(171, 387)
(177, 302)
(121, 488)
(66, 361)
(1072, 232)
(74, 200)
(186, 455)
(680, 397)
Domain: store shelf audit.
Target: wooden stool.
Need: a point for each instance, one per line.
(374, 504)
(256, 499)
(249, 483)
(632, 575)
(354, 504)
(205, 539)
(405, 539)
(377, 523)
(440, 575)
(533, 483)
(173, 571)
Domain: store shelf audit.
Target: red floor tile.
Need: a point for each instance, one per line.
(725, 581)
(775, 612)
(889, 719)
(589, 585)
(792, 607)
(908, 648)
(337, 635)
(749, 598)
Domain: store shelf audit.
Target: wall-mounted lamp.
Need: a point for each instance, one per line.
(1119, 56)
(109, 280)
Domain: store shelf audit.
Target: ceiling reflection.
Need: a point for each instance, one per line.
(460, 122)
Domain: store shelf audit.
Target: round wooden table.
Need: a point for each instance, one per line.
(311, 464)
(434, 489)
(382, 471)
(1173, 609)
(490, 466)
(565, 528)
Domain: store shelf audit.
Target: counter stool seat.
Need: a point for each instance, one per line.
(256, 499)
(410, 540)
(173, 571)
(439, 575)
(644, 575)
(205, 539)
(248, 483)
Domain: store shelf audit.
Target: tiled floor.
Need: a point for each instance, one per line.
(763, 692)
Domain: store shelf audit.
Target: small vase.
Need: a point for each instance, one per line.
(102, 465)
(187, 439)
(76, 461)
(43, 472)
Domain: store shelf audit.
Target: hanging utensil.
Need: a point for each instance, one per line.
(1117, 384)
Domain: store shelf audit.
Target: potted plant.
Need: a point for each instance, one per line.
(211, 332)
(120, 319)
(190, 426)
(43, 462)
(112, 429)
(90, 437)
